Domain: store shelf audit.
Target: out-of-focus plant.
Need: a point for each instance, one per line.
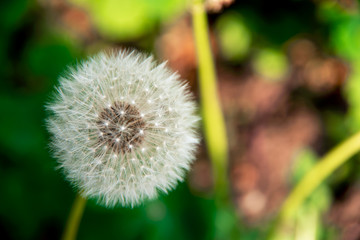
(306, 224)
(316, 175)
(234, 36)
(344, 37)
(130, 19)
(213, 120)
(213, 124)
(271, 64)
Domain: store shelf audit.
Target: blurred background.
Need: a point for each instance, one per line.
(289, 84)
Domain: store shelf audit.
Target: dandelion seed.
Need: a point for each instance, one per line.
(106, 158)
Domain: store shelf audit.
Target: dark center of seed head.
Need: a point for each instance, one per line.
(121, 127)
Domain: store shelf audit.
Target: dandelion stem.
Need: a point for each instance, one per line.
(73, 222)
(327, 165)
(213, 121)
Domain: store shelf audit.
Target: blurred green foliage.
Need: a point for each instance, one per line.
(307, 223)
(129, 19)
(234, 36)
(345, 40)
(271, 64)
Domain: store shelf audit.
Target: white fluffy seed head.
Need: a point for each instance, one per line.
(123, 128)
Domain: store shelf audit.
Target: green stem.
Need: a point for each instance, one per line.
(213, 121)
(327, 165)
(73, 222)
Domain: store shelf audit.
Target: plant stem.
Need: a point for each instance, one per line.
(213, 121)
(73, 222)
(327, 165)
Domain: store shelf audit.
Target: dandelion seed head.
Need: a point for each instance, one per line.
(108, 133)
(111, 120)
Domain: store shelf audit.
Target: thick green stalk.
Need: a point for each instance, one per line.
(213, 121)
(73, 222)
(327, 165)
